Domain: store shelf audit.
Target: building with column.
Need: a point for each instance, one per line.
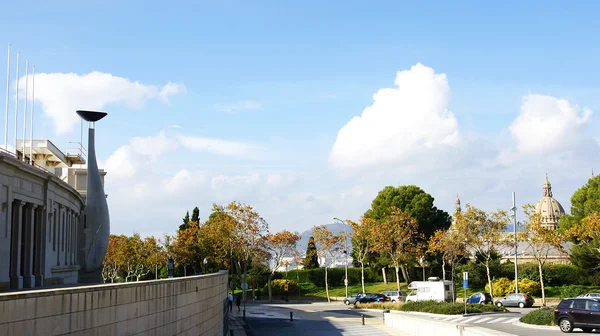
(549, 208)
(42, 223)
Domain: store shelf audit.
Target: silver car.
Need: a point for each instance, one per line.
(353, 298)
(589, 295)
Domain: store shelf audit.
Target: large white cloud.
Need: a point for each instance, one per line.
(548, 124)
(61, 94)
(403, 122)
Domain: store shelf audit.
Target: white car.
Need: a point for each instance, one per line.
(589, 295)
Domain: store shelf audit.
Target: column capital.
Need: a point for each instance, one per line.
(18, 202)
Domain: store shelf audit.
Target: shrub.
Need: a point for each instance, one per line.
(278, 287)
(447, 308)
(542, 316)
(501, 287)
(571, 291)
(528, 286)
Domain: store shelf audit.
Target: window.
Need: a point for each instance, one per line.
(565, 304)
(579, 304)
(423, 290)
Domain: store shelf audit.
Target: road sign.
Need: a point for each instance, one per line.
(285, 288)
(345, 282)
(170, 267)
(244, 286)
(465, 279)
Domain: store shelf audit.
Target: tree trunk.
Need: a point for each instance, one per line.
(542, 284)
(397, 277)
(326, 286)
(269, 285)
(405, 274)
(443, 269)
(384, 277)
(362, 275)
(244, 281)
(453, 283)
(487, 269)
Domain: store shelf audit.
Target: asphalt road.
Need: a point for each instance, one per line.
(318, 319)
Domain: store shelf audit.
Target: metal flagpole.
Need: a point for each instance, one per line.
(25, 108)
(17, 104)
(516, 243)
(32, 109)
(7, 100)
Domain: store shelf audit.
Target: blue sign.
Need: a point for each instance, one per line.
(170, 267)
(465, 283)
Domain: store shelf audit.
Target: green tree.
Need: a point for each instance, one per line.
(311, 260)
(196, 215)
(413, 200)
(186, 221)
(584, 202)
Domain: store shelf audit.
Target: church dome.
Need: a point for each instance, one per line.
(549, 208)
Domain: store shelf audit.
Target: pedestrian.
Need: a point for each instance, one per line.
(230, 301)
(238, 300)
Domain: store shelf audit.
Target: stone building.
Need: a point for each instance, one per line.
(549, 208)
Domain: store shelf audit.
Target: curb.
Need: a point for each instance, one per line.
(535, 326)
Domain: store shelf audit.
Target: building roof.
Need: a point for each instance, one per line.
(548, 207)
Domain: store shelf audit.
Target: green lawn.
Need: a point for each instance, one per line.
(309, 289)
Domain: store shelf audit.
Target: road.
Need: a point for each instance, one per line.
(318, 319)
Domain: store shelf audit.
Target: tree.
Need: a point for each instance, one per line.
(587, 236)
(541, 241)
(113, 259)
(196, 215)
(451, 248)
(280, 245)
(186, 221)
(154, 252)
(311, 260)
(328, 246)
(360, 238)
(413, 200)
(482, 233)
(397, 237)
(584, 202)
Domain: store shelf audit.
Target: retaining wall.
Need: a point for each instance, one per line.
(179, 306)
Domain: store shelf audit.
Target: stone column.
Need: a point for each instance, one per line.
(16, 280)
(72, 238)
(58, 225)
(28, 277)
(40, 251)
(65, 236)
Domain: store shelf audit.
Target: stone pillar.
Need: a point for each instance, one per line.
(40, 251)
(16, 280)
(65, 235)
(58, 225)
(28, 277)
(72, 238)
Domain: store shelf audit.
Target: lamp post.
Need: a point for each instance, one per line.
(514, 209)
(345, 251)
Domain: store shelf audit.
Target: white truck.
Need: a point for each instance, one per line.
(432, 289)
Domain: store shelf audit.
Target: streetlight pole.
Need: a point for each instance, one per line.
(345, 252)
(514, 209)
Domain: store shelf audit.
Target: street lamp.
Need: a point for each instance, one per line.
(514, 216)
(345, 252)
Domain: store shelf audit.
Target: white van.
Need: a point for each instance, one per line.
(432, 289)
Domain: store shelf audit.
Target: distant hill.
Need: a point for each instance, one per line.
(333, 227)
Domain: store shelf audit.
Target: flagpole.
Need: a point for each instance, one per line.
(7, 101)
(25, 108)
(17, 106)
(32, 109)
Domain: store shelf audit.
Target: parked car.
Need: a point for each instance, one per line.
(589, 295)
(583, 313)
(395, 296)
(516, 300)
(480, 298)
(373, 298)
(353, 298)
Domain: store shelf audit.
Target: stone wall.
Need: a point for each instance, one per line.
(179, 306)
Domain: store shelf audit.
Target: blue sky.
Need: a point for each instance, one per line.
(308, 68)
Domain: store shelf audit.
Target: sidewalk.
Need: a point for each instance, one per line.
(236, 324)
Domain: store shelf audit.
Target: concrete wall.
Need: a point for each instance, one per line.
(179, 306)
(419, 325)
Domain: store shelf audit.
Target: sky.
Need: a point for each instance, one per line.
(306, 110)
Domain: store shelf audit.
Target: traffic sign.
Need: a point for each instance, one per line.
(244, 286)
(345, 282)
(465, 279)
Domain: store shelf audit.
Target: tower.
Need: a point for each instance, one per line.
(549, 208)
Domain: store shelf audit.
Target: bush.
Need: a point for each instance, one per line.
(335, 276)
(542, 316)
(571, 291)
(555, 274)
(447, 308)
(278, 287)
(501, 287)
(528, 286)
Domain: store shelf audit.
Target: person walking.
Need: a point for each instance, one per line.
(230, 301)
(238, 300)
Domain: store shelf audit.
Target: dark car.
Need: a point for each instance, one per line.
(516, 300)
(353, 298)
(480, 298)
(373, 298)
(583, 313)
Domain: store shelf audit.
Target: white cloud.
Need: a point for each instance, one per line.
(401, 123)
(184, 180)
(218, 146)
(238, 106)
(548, 123)
(61, 94)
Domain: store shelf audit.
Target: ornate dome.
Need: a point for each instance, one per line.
(549, 208)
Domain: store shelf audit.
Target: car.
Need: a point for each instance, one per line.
(480, 298)
(396, 296)
(353, 298)
(582, 313)
(373, 298)
(589, 295)
(516, 300)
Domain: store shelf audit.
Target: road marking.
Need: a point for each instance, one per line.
(511, 320)
(470, 319)
(483, 320)
(498, 320)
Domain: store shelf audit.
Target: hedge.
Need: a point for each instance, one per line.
(278, 287)
(542, 316)
(448, 308)
(335, 276)
(504, 286)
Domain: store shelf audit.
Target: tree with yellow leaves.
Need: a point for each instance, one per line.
(450, 246)
(398, 238)
(328, 246)
(280, 245)
(482, 233)
(587, 236)
(360, 235)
